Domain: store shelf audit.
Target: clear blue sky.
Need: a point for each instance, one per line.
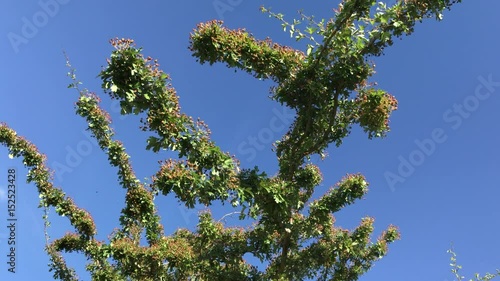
(442, 155)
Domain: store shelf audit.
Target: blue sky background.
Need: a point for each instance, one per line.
(448, 195)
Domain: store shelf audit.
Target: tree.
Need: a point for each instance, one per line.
(295, 236)
(455, 268)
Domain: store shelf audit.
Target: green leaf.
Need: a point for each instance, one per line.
(309, 49)
(311, 29)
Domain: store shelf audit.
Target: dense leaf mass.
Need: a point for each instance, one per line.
(295, 236)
